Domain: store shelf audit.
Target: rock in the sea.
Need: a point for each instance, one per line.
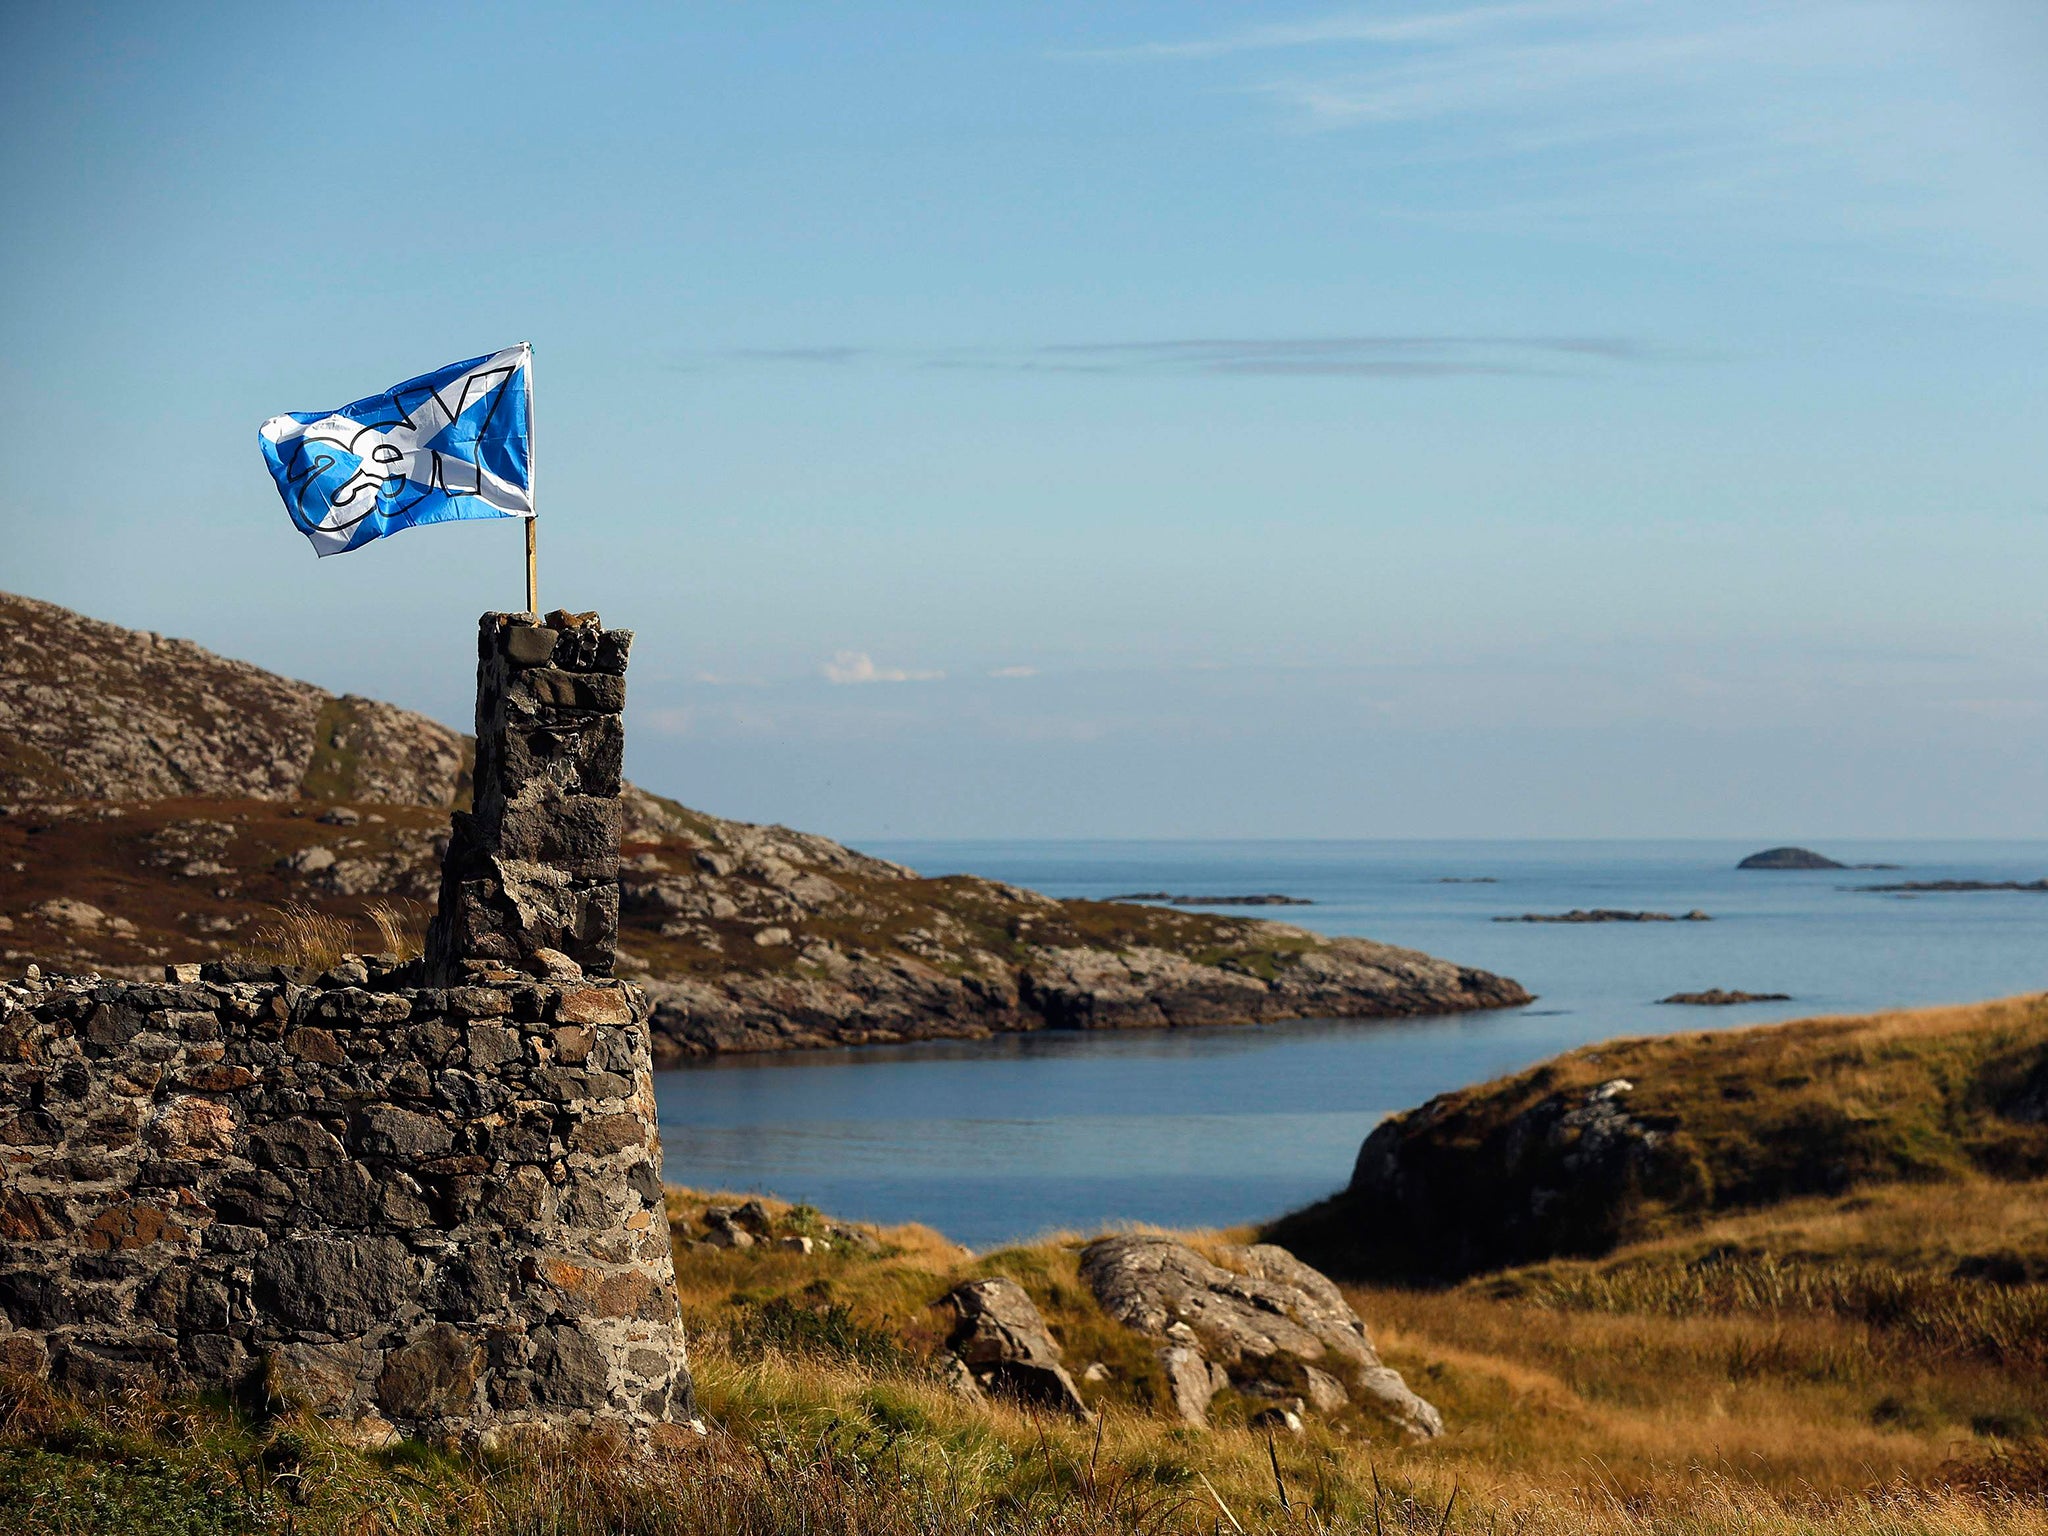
(1716, 997)
(1268, 1324)
(1606, 915)
(1264, 899)
(1002, 1339)
(1936, 887)
(1789, 858)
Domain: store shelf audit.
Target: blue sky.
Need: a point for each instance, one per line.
(1544, 417)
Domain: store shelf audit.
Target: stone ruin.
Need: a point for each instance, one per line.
(421, 1198)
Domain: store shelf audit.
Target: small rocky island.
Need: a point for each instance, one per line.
(1789, 858)
(1607, 915)
(1269, 899)
(1717, 997)
(1937, 887)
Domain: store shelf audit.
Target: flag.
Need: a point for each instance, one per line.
(449, 445)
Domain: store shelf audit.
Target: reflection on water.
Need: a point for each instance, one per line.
(991, 1140)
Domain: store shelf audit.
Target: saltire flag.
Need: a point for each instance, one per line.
(447, 446)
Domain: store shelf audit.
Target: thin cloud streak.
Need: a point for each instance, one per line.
(1383, 356)
(1420, 27)
(1857, 127)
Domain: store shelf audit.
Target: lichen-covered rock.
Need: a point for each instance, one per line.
(1268, 1324)
(1003, 1341)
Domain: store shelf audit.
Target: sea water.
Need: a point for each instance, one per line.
(996, 1140)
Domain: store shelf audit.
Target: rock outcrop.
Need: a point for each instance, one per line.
(1553, 1179)
(1002, 1340)
(1267, 1325)
(1635, 1139)
(839, 997)
(1789, 858)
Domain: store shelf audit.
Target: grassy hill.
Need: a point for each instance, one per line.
(1753, 1356)
(1634, 1139)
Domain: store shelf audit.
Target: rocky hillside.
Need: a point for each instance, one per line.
(166, 803)
(93, 711)
(1637, 1139)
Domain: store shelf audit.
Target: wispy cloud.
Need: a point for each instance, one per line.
(1383, 356)
(1417, 27)
(849, 667)
(802, 354)
(1883, 133)
(1014, 672)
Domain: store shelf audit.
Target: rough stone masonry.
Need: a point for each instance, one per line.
(423, 1198)
(535, 864)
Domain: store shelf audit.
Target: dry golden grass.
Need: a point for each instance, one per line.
(401, 927)
(815, 1370)
(301, 935)
(1581, 1396)
(317, 940)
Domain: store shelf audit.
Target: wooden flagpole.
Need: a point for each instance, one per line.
(532, 572)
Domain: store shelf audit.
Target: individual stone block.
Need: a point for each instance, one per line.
(577, 834)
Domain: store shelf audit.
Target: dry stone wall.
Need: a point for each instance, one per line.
(430, 1209)
(438, 1210)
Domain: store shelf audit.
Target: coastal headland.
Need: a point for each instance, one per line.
(163, 803)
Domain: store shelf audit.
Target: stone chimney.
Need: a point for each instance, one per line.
(534, 864)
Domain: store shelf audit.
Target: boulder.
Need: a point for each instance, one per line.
(1268, 1324)
(1002, 1339)
(1450, 1188)
(69, 912)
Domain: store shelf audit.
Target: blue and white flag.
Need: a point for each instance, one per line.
(449, 445)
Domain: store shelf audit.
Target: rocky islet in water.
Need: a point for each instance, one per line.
(1607, 915)
(1718, 997)
(1800, 858)
(1940, 887)
(1269, 899)
(1789, 858)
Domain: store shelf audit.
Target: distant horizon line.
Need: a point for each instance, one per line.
(1759, 843)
